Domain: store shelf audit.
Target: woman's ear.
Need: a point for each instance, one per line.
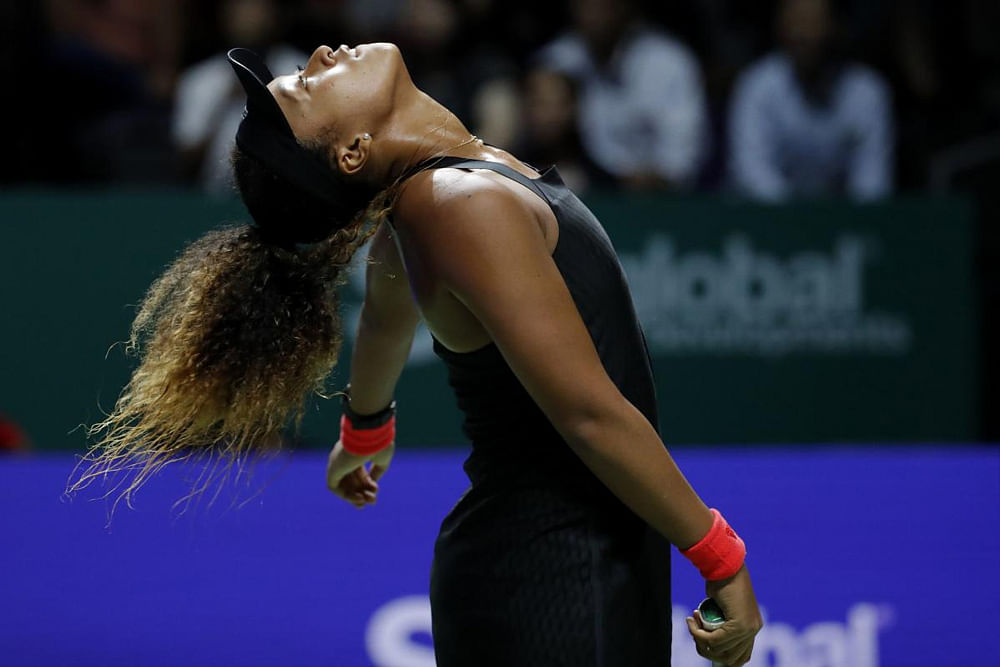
(352, 158)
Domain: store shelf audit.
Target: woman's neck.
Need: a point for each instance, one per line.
(420, 131)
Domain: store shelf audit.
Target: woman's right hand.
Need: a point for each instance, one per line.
(347, 476)
(732, 644)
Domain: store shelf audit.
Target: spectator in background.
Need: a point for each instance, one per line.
(550, 132)
(209, 101)
(805, 122)
(642, 106)
(108, 71)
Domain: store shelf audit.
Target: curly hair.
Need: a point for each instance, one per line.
(231, 339)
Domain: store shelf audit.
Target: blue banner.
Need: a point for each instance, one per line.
(861, 557)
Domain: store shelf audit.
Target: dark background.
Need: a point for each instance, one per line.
(89, 90)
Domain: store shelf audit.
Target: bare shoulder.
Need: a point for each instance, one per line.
(469, 230)
(481, 242)
(442, 197)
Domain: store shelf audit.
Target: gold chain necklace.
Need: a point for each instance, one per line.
(440, 155)
(443, 153)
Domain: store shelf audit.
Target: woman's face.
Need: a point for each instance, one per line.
(351, 91)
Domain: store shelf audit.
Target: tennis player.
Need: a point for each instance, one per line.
(558, 553)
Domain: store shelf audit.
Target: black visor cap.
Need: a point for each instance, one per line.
(264, 134)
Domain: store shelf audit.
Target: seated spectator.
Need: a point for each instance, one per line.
(642, 107)
(550, 134)
(209, 101)
(805, 122)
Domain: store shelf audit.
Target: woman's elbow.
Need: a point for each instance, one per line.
(590, 426)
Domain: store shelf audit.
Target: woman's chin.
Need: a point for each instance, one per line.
(387, 49)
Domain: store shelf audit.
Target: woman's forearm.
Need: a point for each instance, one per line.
(624, 451)
(380, 352)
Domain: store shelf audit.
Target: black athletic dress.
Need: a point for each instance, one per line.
(539, 564)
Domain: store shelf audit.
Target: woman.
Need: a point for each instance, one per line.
(558, 553)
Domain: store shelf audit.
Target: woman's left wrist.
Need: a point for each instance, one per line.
(720, 553)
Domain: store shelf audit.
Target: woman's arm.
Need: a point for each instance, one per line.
(486, 247)
(385, 333)
(388, 322)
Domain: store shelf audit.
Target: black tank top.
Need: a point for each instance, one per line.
(508, 431)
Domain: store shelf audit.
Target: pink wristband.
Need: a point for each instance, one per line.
(720, 554)
(366, 441)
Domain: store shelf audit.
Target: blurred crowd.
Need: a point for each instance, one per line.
(771, 99)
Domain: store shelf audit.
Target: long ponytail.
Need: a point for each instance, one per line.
(231, 339)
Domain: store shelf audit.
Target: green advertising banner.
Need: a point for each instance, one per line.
(803, 323)
(806, 323)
